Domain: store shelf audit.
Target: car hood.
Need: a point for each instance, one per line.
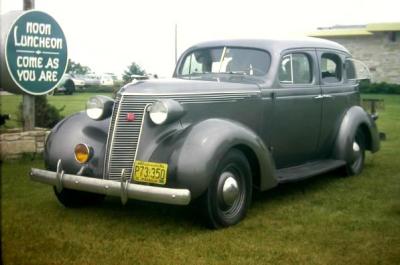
(179, 86)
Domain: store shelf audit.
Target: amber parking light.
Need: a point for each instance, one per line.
(82, 153)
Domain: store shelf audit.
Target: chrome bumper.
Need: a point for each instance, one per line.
(122, 189)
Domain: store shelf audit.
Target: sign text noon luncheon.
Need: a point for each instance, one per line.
(35, 41)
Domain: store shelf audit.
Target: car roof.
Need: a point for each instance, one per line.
(276, 45)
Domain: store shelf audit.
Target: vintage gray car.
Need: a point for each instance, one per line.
(237, 115)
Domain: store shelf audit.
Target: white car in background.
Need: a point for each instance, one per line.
(106, 80)
(69, 84)
(91, 79)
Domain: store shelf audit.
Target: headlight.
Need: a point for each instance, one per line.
(165, 110)
(158, 112)
(99, 107)
(83, 153)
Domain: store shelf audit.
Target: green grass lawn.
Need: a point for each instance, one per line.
(325, 220)
(74, 103)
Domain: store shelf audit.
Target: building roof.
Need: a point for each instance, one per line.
(340, 32)
(357, 30)
(383, 26)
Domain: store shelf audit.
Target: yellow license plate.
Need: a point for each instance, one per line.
(150, 172)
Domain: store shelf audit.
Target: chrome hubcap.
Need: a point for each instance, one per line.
(230, 191)
(356, 151)
(356, 147)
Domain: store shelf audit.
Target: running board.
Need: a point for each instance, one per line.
(307, 170)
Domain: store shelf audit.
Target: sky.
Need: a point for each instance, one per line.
(108, 35)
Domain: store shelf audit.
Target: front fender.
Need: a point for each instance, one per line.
(194, 153)
(356, 117)
(69, 132)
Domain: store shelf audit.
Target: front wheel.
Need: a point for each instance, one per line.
(228, 196)
(355, 164)
(75, 198)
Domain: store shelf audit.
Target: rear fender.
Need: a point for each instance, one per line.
(355, 118)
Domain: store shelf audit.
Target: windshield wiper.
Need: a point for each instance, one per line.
(233, 73)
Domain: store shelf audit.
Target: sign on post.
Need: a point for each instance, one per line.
(35, 54)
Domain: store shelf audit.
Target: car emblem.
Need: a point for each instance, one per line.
(130, 116)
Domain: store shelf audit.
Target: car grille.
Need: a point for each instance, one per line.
(123, 135)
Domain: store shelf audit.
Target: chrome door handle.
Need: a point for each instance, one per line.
(323, 96)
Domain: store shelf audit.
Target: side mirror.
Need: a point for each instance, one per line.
(357, 70)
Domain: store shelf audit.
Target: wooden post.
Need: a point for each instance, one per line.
(28, 101)
(29, 4)
(28, 111)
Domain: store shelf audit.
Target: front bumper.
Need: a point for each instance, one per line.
(123, 189)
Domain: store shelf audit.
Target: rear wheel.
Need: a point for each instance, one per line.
(355, 164)
(69, 87)
(75, 198)
(228, 196)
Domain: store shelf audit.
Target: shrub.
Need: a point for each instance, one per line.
(379, 88)
(46, 115)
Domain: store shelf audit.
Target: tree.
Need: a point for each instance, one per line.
(133, 69)
(77, 68)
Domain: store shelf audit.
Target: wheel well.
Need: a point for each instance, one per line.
(254, 164)
(69, 84)
(367, 134)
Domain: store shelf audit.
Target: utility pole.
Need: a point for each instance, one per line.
(176, 43)
(28, 101)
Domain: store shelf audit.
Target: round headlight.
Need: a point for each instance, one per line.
(158, 112)
(82, 153)
(99, 107)
(94, 108)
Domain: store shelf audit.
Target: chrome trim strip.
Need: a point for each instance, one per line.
(109, 147)
(113, 188)
(194, 93)
(138, 141)
(110, 136)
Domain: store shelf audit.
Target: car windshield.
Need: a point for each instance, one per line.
(225, 60)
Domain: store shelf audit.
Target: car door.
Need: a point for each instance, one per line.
(296, 109)
(336, 90)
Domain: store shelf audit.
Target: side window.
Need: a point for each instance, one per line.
(350, 70)
(331, 68)
(295, 68)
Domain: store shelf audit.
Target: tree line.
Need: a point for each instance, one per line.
(80, 69)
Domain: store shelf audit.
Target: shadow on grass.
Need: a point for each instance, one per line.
(149, 214)
(146, 214)
(301, 187)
